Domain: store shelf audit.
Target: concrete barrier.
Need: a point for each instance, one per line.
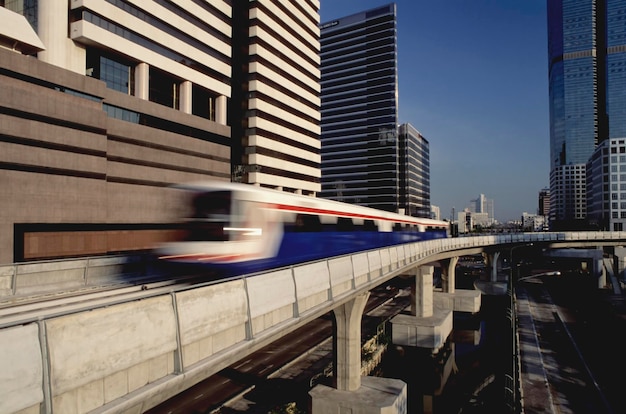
(130, 356)
(312, 285)
(107, 353)
(7, 276)
(211, 318)
(21, 376)
(342, 275)
(24, 279)
(272, 299)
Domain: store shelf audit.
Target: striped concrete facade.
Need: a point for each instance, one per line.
(106, 104)
(85, 165)
(278, 70)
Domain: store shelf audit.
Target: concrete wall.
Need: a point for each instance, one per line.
(72, 176)
(127, 357)
(23, 279)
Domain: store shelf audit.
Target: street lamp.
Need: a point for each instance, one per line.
(555, 273)
(511, 263)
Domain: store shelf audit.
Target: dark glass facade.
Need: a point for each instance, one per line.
(414, 171)
(587, 80)
(616, 67)
(572, 80)
(359, 107)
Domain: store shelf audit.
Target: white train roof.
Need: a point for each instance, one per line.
(307, 204)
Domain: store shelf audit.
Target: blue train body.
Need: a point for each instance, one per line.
(240, 229)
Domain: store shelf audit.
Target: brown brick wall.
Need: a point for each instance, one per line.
(64, 162)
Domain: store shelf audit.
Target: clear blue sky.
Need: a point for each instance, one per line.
(473, 79)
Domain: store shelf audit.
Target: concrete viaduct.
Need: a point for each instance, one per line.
(128, 357)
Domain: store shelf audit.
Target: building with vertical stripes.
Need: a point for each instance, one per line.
(360, 151)
(276, 95)
(104, 105)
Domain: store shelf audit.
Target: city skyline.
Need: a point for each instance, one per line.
(480, 100)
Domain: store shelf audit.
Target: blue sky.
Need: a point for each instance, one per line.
(473, 80)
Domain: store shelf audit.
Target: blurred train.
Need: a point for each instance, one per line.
(240, 228)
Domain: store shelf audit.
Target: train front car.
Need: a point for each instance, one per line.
(240, 228)
(228, 230)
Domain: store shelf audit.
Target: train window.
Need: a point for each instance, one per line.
(308, 223)
(397, 227)
(370, 225)
(345, 224)
(211, 213)
(214, 206)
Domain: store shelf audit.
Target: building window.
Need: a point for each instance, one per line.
(203, 103)
(116, 72)
(164, 89)
(27, 8)
(116, 75)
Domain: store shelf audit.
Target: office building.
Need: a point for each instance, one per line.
(359, 85)
(543, 208)
(414, 172)
(276, 94)
(587, 55)
(104, 105)
(435, 212)
(606, 186)
(482, 204)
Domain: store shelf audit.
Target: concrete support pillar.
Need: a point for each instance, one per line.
(348, 336)
(220, 109)
(142, 81)
(449, 284)
(598, 268)
(494, 266)
(52, 30)
(353, 393)
(620, 256)
(185, 97)
(422, 292)
(425, 326)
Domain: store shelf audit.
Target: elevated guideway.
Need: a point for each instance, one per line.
(130, 356)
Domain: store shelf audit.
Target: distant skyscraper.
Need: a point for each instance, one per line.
(360, 157)
(414, 170)
(587, 80)
(482, 204)
(544, 202)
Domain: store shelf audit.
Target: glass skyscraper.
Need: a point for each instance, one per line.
(414, 172)
(359, 107)
(616, 67)
(573, 35)
(587, 81)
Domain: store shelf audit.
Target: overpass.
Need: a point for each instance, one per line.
(132, 355)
